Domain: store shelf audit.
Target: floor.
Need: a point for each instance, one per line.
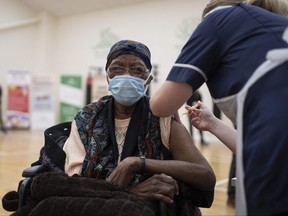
(19, 148)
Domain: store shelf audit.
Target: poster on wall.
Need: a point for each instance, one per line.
(71, 97)
(43, 112)
(17, 115)
(100, 84)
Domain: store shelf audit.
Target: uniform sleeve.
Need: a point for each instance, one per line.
(199, 57)
(165, 127)
(75, 152)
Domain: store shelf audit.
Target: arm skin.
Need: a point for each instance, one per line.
(188, 165)
(203, 119)
(170, 97)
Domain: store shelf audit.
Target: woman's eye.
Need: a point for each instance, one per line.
(117, 69)
(137, 70)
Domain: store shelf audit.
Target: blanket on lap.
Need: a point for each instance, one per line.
(57, 194)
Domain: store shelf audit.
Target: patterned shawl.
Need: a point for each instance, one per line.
(96, 128)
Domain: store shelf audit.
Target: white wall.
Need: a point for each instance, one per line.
(155, 24)
(16, 39)
(71, 44)
(16, 36)
(85, 39)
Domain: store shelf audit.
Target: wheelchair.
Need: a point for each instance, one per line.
(52, 160)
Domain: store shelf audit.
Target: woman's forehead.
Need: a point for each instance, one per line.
(128, 58)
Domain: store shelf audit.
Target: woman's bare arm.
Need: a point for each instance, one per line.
(188, 164)
(193, 168)
(170, 97)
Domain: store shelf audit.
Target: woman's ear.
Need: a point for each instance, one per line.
(149, 79)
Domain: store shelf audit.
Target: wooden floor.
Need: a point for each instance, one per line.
(18, 149)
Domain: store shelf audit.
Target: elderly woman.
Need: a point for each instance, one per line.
(118, 139)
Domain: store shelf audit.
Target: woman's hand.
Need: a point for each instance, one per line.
(201, 118)
(159, 187)
(125, 171)
(204, 119)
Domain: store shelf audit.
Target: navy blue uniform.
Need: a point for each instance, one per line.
(265, 144)
(224, 51)
(227, 47)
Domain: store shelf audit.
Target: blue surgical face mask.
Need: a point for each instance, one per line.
(127, 90)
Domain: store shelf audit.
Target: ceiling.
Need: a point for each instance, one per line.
(68, 7)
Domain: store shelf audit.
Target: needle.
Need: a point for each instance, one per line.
(195, 106)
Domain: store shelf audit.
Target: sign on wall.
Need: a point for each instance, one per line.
(17, 115)
(43, 112)
(100, 84)
(71, 97)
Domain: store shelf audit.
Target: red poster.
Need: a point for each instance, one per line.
(18, 98)
(18, 83)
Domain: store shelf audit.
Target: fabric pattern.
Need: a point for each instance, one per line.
(129, 47)
(121, 127)
(93, 123)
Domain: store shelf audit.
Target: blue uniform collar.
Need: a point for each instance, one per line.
(218, 8)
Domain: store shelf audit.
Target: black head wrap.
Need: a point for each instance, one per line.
(129, 47)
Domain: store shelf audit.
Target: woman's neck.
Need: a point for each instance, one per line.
(123, 112)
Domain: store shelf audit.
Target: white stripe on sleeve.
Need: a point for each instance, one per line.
(194, 68)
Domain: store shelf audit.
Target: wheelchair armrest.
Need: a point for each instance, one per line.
(233, 181)
(33, 171)
(28, 174)
(162, 209)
